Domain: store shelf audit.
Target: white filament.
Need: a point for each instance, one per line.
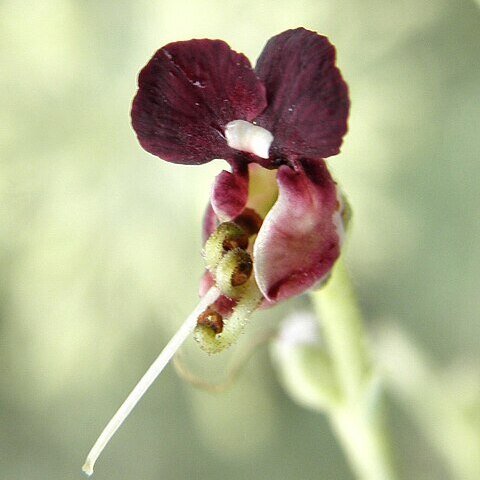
(246, 136)
(148, 378)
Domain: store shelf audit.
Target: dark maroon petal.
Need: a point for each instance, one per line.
(307, 98)
(187, 93)
(230, 193)
(300, 237)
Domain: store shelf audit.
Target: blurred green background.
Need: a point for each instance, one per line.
(100, 242)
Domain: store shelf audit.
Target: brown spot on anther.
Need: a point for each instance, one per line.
(239, 241)
(250, 221)
(210, 318)
(242, 272)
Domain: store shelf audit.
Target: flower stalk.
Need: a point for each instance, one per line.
(343, 330)
(357, 417)
(148, 378)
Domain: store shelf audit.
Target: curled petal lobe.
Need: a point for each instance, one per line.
(307, 98)
(230, 193)
(187, 94)
(300, 237)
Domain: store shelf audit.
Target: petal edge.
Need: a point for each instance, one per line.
(230, 193)
(307, 97)
(187, 93)
(300, 238)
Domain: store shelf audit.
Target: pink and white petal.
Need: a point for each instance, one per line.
(300, 237)
(206, 283)
(210, 222)
(187, 93)
(224, 306)
(230, 193)
(307, 97)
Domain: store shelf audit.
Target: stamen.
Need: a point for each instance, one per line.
(227, 236)
(210, 318)
(233, 272)
(246, 136)
(148, 378)
(233, 326)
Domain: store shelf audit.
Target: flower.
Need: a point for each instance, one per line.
(199, 100)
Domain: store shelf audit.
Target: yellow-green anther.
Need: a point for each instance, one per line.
(226, 237)
(233, 271)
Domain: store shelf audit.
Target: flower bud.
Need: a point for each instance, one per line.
(304, 367)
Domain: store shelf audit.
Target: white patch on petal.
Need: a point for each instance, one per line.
(247, 137)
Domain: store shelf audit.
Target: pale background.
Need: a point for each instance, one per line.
(100, 242)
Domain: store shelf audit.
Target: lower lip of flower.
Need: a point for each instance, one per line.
(247, 137)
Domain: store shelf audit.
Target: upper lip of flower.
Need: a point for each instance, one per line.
(189, 93)
(191, 90)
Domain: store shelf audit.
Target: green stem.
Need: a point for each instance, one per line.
(357, 419)
(364, 441)
(342, 326)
